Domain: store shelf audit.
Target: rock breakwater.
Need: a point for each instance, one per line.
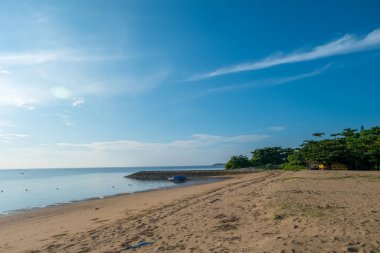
(164, 175)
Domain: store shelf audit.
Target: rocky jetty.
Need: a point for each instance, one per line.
(164, 175)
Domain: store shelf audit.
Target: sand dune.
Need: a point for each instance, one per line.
(309, 211)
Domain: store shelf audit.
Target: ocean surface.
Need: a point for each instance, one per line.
(21, 190)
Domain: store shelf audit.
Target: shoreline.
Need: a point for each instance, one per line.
(272, 211)
(18, 232)
(193, 182)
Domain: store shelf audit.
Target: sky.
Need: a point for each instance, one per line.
(95, 83)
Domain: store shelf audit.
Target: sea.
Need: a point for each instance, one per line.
(26, 189)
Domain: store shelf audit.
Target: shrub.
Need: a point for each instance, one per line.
(237, 162)
(293, 167)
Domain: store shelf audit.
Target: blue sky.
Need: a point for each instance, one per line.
(145, 83)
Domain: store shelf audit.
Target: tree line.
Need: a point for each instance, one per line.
(354, 149)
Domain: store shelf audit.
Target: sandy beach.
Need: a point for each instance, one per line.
(307, 211)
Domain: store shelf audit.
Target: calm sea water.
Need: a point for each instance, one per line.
(26, 189)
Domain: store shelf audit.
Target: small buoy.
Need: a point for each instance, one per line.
(113, 186)
(57, 188)
(26, 190)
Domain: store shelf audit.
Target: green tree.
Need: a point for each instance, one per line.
(357, 150)
(237, 162)
(270, 155)
(370, 146)
(318, 134)
(324, 151)
(296, 161)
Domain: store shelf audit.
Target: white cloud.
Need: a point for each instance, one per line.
(35, 85)
(260, 83)
(6, 123)
(23, 97)
(31, 84)
(345, 45)
(39, 57)
(233, 139)
(68, 123)
(78, 102)
(30, 58)
(9, 137)
(4, 71)
(276, 128)
(65, 119)
(197, 140)
(198, 149)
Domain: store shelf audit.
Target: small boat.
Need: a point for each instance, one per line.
(178, 179)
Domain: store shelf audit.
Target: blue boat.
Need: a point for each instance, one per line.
(178, 179)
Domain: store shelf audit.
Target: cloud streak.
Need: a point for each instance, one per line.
(263, 83)
(77, 102)
(4, 71)
(276, 128)
(39, 57)
(31, 86)
(22, 97)
(9, 137)
(65, 119)
(187, 151)
(347, 44)
(6, 123)
(197, 141)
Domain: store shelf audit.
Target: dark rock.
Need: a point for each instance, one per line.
(164, 175)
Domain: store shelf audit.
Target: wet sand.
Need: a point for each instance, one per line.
(308, 211)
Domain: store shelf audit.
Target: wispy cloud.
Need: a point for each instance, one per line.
(261, 83)
(28, 58)
(4, 71)
(197, 140)
(276, 128)
(6, 123)
(77, 102)
(347, 44)
(187, 151)
(235, 139)
(9, 137)
(65, 119)
(34, 86)
(19, 97)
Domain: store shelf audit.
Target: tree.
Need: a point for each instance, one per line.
(237, 162)
(296, 161)
(370, 146)
(318, 134)
(355, 149)
(325, 151)
(270, 155)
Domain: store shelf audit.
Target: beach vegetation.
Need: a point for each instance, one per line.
(270, 156)
(356, 150)
(293, 167)
(237, 162)
(295, 161)
(350, 149)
